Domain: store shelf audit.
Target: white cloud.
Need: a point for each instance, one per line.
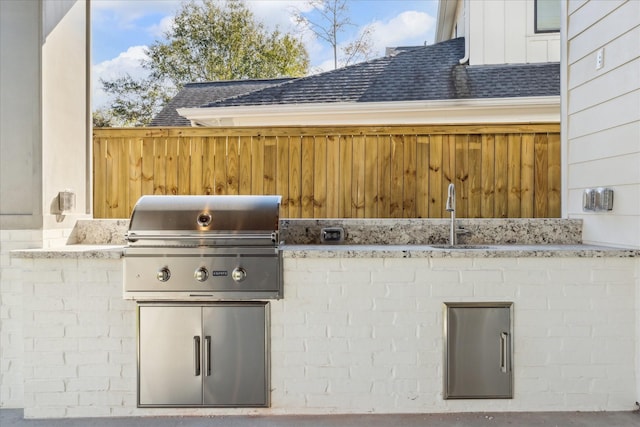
(159, 30)
(410, 28)
(126, 63)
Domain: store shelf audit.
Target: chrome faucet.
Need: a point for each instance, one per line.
(451, 207)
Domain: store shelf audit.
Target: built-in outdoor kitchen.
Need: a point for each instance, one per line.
(374, 316)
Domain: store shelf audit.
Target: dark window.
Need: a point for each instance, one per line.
(547, 16)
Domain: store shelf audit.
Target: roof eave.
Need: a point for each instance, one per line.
(537, 109)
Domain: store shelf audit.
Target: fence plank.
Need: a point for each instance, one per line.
(501, 177)
(553, 166)
(184, 162)
(282, 177)
(474, 207)
(462, 174)
(171, 179)
(346, 166)
(295, 177)
(270, 164)
(409, 177)
(436, 206)
(307, 177)
(527, 175)
(99, 177)
(245, 165)
(257, 165)
(135, 173)
(233, 165)
(422, 176)
(384, 176)
(358, 178)
(371, 176)
(513, 175)
(220, 160)
(333, 176)
(487, 202)
(541, 174)
(195, 177)
(320, 178)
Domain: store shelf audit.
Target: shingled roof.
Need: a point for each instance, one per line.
(198, 94)
(421, 73)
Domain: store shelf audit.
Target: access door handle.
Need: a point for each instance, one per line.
(196, 354)
(504, 352)
(207, 356)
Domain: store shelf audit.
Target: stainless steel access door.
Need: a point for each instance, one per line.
(234, 368)
(478, 352)
(168, 355)
(209, 354)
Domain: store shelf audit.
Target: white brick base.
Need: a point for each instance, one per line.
(352, 336)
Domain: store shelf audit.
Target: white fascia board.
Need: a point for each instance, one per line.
(492, 110)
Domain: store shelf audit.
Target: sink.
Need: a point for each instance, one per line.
(465, 247)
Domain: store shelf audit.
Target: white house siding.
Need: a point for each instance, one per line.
(350, 336)
(502, 32)
(603, 116)
(602, 122)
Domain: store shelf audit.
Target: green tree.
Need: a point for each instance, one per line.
(208, 41)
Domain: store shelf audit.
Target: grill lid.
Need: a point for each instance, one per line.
(205, 219)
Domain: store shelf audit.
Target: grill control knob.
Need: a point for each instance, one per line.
(163, 274)
(201, 274)
(239, 274)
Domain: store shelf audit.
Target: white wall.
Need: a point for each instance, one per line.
(44, 120)
(502, 32)
(602, 117)
(351, 335)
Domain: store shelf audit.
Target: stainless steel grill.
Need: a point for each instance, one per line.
(204, 247)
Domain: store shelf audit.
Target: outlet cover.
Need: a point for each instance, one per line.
(600, 58)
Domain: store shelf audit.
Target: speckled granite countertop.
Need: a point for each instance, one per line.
(376, 238)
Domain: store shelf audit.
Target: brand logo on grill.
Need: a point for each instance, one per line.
(219, 273)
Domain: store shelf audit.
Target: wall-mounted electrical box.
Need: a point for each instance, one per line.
(597, 199)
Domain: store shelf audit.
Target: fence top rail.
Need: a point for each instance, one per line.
(166, 132)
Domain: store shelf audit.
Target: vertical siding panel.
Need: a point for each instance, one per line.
(513, 178)
(295, 177)
(371, 177)
(554, 176)
(488, 176)
(270, 165)
(397, 169)
(384, 176)
(233, 165)
(436, 207)
(541, 174)
(245, 160)
(501, 176)
(172, 166)
(409, 199)
(358, 177)
(346, 167)
(282, 179)
(422, 176)
(475, 177)
(320, 177)
(333, 176)
(307, 177)
(462, 175)
(526, 176)
(184, 160)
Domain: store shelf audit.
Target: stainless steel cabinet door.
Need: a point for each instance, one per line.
(169, 351)
(478, 351)
(234, 355)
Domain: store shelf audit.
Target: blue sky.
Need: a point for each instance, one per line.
(121, 29)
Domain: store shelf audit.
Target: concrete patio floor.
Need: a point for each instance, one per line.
(13, 418)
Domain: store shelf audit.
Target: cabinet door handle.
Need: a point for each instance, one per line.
(504, 352)
(207, 356)
(196, 354)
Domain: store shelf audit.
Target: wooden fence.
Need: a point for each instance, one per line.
(500, 171)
